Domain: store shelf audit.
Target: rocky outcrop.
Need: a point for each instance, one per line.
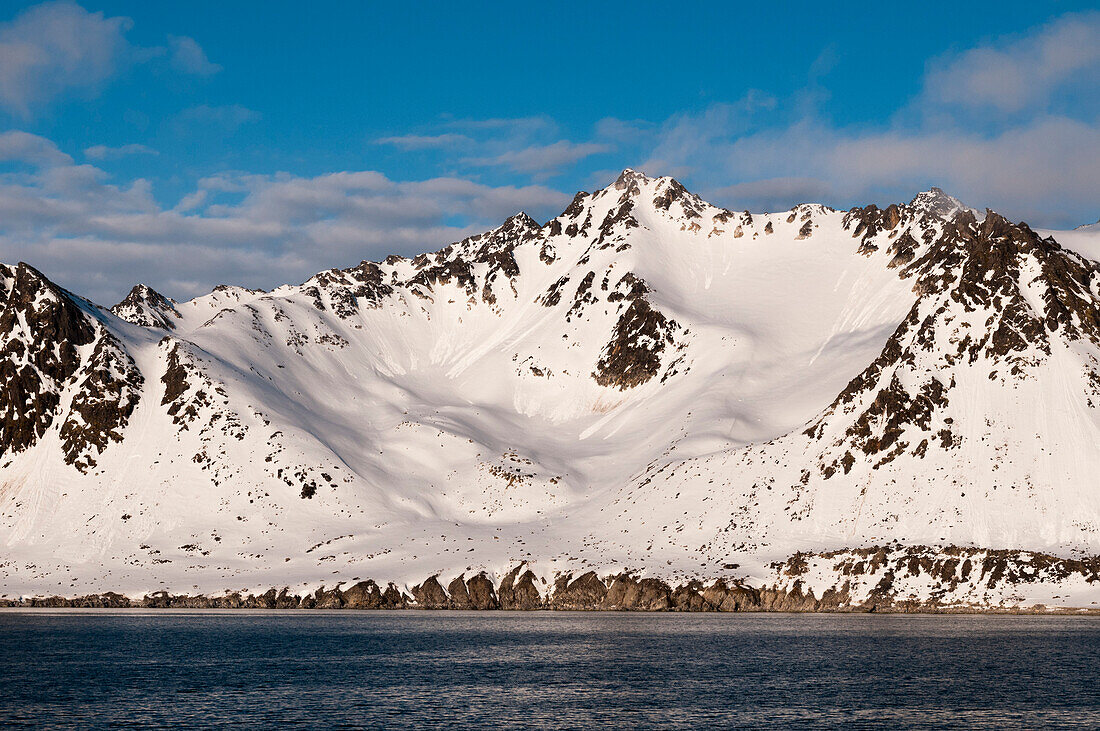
(1000, 292)
(918, 578)
(108, 391)
(518, 591)
(878, 579)
(639, 340)
(586, 592)
(41, 328)
(627, 592)
(476, 593)
(431, 595)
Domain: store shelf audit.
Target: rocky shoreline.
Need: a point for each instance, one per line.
(519, 590)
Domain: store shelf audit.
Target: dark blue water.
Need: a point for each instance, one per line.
(546, 670)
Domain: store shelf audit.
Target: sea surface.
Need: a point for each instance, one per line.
(135, 668)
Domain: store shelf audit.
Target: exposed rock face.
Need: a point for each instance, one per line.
(518, 591)
(430, 594)
(896, 577)
(633, 355)
(476, 593)
(480, 265)
(861, 580)
(586, 591)
(650, 595)
(937, 203)
(725, 597)
(481, 593)
(40, 331)
(344, 290)
(363, 595)
(108, 388)
(187, 390)
(979, 281)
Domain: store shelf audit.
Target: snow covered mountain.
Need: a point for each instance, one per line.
(646, 383)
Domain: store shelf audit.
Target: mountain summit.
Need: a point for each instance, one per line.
(645, 383)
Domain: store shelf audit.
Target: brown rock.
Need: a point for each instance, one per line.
(647, 595)
(331, 599)
(481, 593)
(430, 595)
(689, 598)
(460, 598)
(364, 595)
(736, 598)
(393, 598)
(584, 592)
(520, 593)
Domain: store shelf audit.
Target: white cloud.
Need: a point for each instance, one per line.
(540, 158)
(987, 127)
(98, 238)
(771, 194)
(56, 47)
(188, 57)
(17, 146)
(426, 142)
(1046, 170)
(527, 145)
(1027, 71)
(226, 118)
(511, 126)
(103, 152)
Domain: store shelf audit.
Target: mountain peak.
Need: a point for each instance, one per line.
(937, 202)
(630, 175)
(147, 307)
(520, 221)
(633, 182)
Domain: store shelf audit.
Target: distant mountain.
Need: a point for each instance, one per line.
(146, 306)
(646, 383)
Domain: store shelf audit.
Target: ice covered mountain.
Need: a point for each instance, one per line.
(646, 383)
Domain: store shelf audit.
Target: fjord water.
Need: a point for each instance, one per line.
(98, 668)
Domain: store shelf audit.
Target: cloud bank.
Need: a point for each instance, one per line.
(1015, 126)
(59, 48)
(99, 237)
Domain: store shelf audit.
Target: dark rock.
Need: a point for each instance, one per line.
(364, 595)
(586, 592)
(519, 591)
(393, 598)
(430, 594)
(460, 597)
(736, 598)
(629, 593)
(481, 593)
(41, 327)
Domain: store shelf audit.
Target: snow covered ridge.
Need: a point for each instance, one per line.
(646, 383)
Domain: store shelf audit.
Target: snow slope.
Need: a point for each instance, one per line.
(646, 382)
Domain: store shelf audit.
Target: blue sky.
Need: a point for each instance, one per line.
(187, 144)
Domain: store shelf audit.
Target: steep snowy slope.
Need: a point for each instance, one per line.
(646, 382)
(1085, 240)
